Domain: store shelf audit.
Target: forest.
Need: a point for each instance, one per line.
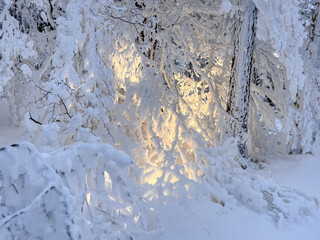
(129, 111)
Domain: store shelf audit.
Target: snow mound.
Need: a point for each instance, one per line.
(230, 185)
(88, 191)
(79, 192)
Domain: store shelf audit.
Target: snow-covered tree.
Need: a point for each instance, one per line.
(242, 65)
(281, 117)
(187, 88)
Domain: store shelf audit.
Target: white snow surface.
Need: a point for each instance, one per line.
(8, 133)
(205, 220)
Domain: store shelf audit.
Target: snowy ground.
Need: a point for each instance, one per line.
(209, 221)
(8, 134)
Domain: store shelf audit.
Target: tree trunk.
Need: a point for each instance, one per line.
(239, 89)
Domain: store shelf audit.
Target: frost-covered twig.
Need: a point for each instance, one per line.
(65, 107)
(35, 202)
(32, 119)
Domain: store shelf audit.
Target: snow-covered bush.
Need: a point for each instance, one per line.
(79, 192)
(87, 191)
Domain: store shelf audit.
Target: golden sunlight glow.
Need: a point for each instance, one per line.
(174, 179)
(166, 192)
(216, 70)
(134, 78)
(195, 99)
(126, 64)
(219, 61)
(107, 181)
(151, 176)
(165, 129)
(136, 218)
(88, 197)
(136, 101)
(112, 198)
(171, 177)
(200, 172)
(186, 159)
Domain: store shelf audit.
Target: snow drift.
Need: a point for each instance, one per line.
(78, 192)
(85, 191)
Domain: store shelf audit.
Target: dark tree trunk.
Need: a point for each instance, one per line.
(239, 89)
